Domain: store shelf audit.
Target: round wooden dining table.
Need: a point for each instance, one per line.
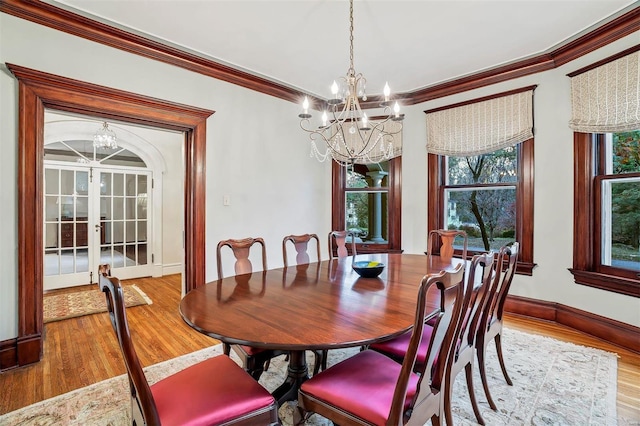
(315, 306)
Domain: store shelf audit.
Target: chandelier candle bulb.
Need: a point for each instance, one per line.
(387, 92)
(305, 109)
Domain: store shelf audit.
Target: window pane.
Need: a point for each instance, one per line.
(626, 152)
(367, 216)
(621, 223)
(496, 167)
(488, 215)
(368, 175)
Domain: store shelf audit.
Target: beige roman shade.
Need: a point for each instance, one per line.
(481, 126)
(607, 98)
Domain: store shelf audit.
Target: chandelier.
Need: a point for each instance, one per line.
(105, 138)
(346, 134)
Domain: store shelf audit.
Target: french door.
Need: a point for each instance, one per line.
(95, 215)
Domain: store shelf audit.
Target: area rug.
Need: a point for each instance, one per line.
(69, 305)
(555, 383)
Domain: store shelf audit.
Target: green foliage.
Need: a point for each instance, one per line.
(625, 196)
(626, 152)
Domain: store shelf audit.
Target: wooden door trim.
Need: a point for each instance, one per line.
(36, 92)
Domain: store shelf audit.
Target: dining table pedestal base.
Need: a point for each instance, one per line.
(297, 373)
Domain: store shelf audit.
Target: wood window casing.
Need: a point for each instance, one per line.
(524, 202)
(589, 153)
(339, 178)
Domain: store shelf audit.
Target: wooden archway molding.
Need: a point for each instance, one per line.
(37, 91)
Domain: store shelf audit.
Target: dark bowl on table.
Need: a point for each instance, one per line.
(368, 269)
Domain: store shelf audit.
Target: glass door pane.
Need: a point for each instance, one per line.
(124, 220)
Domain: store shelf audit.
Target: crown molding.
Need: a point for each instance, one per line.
(72, 23)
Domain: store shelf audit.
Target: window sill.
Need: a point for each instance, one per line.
(626, 286)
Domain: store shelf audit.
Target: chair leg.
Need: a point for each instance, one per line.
(501, 360)
(300, 416)
(468, 369)
(325, 355)
(226, 348)
(446, 406)
(483, 374)
(435, 420)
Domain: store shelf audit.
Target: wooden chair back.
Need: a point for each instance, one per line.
(437, 237)
(241, 250)
(340, 238)
(144, 410)
(481, 273)
(301, 243)
(504, 276)
(451, 286)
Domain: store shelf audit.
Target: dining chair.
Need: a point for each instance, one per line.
(301, 243)
(463, 353)
(370, 388)
(212, 392)
(490, 327)
(479, 283)
(441, 241)
(340, 238)
(254, 360)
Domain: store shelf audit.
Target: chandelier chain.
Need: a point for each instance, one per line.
(351, 67)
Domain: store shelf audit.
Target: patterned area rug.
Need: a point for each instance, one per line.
(555, 383)
(69, 305)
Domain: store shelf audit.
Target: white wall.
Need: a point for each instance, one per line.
(553, 215)
(255, 151)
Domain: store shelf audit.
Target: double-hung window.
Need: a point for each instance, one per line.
(366, 201)
(606, 121)
(481, 172)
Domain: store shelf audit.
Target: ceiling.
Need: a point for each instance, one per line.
(304, 44)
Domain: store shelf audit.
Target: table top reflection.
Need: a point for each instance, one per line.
(321, 305)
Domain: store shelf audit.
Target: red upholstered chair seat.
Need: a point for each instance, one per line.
(211, 392)
(369, 376)
(397, 348)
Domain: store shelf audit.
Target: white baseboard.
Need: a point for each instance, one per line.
(172, 268)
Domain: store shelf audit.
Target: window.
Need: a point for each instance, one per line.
(490, 196)
(366, 201)
(607, 211)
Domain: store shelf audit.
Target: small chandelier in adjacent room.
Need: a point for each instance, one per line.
(105, 138)
(346, 134)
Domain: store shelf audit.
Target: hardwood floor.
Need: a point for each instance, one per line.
(83, 350)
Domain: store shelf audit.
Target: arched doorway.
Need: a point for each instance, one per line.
(104, 205)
